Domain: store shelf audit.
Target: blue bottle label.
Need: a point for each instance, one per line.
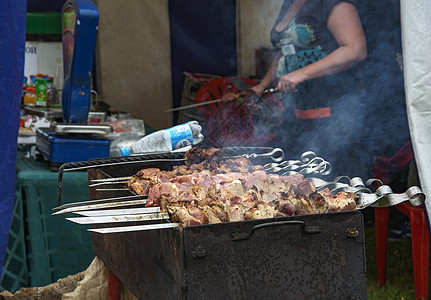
(181, 136)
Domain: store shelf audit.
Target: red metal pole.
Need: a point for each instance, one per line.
(114, 286)
(381, 216)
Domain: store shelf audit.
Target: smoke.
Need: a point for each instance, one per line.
(338, 139)
(386, 107)
(363, 125)
(368, 124)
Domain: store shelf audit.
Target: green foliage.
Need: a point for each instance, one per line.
(399, 269)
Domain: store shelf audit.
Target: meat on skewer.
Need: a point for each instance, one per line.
(236, 98)
(214, 190)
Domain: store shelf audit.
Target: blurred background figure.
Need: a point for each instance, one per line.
(320, 45)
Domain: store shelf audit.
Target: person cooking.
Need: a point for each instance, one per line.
(319, 45)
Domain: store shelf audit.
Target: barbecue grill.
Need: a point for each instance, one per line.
(319, 256)
(313, 256)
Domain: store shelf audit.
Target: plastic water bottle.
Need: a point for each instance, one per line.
(51, 93)
(166, 140)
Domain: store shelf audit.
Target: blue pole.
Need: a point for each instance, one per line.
(12, 48)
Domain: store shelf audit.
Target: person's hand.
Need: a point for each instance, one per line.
(257, 89)
(290, 81)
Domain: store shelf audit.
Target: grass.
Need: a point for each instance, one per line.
(399, 271)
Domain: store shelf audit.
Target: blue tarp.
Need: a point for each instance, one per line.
(12, 47)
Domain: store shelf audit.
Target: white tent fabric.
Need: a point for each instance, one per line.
(416, 37)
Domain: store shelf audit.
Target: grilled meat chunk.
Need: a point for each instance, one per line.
(198, 213)
(341, 201)
(235, 213)
(236, 98)
(219, 209)
(216, 190)
(165, 189)
(211, 215)
(181, 215)
(318, 202)
(193, 195)
(197, 155)
(232, 190)
(141, 182)
(261, 211)
(286, 208)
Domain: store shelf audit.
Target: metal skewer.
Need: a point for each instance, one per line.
(270, 90)
(111, 179)
(135, 228)
(276, 155)
(193, 105)
(107, 183)
(97, 206)
(308, 164)
(107, 200)
(112, 190)
(85, 165)
(119, 212)
(119, 219)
